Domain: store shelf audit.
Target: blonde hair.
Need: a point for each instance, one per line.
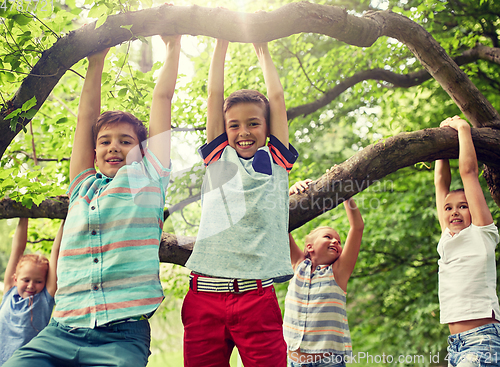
(311, 237)
(34, 259)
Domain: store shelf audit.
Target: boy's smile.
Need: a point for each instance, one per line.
(113, 144)
(246, 128)
(456, 212)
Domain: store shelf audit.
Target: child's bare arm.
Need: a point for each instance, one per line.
(51, 283)
(215, 101)
(89, 108)
(18, 247)
(279, 123)
(442, 181)
(467, 163)
(296, 254)
(161, 106)
(344, 266)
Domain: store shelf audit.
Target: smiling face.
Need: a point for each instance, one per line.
(246, 128)
(113, 144)
(30, 279)
(324, 246)
(456, 212)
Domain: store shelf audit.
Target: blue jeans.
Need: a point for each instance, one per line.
(121, 345)
(335, 360)
(478, 347)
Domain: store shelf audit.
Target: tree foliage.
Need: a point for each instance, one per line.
(360, 90)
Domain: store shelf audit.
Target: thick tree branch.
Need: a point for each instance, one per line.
(244, 27)
(378, 160)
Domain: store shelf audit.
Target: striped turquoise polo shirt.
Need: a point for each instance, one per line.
(108, 266)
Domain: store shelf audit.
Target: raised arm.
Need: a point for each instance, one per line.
(442, 181)
(275, 94)
(467, 163)
(161, 106)
(51, 283)
(296, 254)
(215, 101)
(344, 266)
(18, 247)
(89, 108)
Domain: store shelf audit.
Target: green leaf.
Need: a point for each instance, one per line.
(4, 173)
(62, 120)
(29, 114)
(97, 11)
(27, 202)
(21, 19)
(10, 77)
(127, 26)
(37, 199)
(29, 104)
(101, 20)
(13, 114)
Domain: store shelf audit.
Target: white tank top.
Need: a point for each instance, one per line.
(467, 274)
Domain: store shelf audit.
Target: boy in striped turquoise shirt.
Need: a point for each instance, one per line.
(108, 274)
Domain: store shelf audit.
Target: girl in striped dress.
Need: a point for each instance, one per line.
(315, 322)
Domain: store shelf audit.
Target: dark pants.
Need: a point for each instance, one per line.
(121, 345)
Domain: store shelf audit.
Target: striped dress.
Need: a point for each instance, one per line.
(315, 312)
(108, 266)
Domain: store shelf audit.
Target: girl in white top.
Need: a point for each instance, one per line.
(467, 270)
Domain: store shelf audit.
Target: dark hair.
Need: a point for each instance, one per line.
(115, 117)
(248, 96)
(457, 190)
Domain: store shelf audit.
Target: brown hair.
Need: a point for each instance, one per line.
(248, 96)
(35, 259)
(115, 117)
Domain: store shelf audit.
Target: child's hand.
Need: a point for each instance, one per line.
(171, 39)
(328, 170)
(454, 122)
(261, 48)
(98, 56)
(299, 186)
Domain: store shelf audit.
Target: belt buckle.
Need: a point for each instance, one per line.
(231, 286)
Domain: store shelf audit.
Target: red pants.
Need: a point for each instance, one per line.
(216, 322)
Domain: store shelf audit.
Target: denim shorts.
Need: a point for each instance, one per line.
(478, 347)
(335, 360)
